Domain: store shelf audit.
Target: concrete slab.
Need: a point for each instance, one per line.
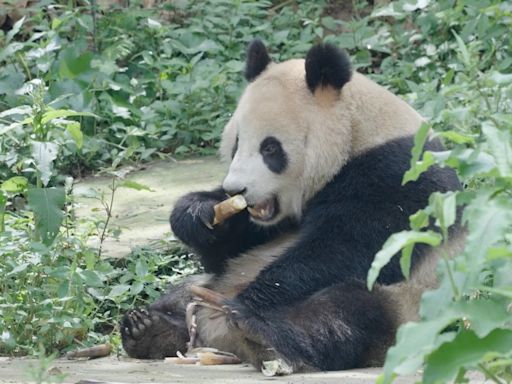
(124, 370)
(143, 216)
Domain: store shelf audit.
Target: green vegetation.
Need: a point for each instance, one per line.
(84, 88)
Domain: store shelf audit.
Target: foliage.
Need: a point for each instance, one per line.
(164, 80)
(65, 293)
(466, 72)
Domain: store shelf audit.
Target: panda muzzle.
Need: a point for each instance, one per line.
(264, 211)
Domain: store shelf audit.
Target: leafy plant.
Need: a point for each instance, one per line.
(466, 323)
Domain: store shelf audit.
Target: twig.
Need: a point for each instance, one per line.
(108, 210)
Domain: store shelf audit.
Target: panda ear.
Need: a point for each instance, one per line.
(327, 65)
(257, 60)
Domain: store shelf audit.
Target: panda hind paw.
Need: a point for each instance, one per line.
(137, 323)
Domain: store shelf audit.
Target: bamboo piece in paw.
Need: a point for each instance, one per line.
(211, 297)
(227, 208)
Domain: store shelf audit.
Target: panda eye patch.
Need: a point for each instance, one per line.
(273, 154)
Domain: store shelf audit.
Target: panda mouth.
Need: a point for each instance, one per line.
(264, 211)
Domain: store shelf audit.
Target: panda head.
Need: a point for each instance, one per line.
(279, 140)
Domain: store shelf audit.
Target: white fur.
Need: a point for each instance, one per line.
(319, 132)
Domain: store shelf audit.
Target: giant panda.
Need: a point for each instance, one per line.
(318, 151)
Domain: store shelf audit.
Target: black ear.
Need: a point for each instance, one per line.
(257, 60)
(327, 65)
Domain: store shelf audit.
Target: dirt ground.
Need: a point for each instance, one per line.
(112, 370)
(143, 216)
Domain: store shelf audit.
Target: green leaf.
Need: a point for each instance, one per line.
(59, 113)
(501, 78)
(154, 24)
(44, 153)
(73, 128)
(14, 30)
(483, 315)
(71, 66)
(118, 290)
(419, 219)
(466, 59)
(501, 147)
(47, 204)
(456, 137)
(417, 166)
(414, 342)
(394, 244)
(444, 208)
(135, 185)
(16, 184)
(405, 260)
(91, 278)
(141, 268)
(487, 219)
(465, 351)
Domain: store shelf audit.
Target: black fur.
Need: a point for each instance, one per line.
(346, 224)
(327, 65)
(257, 60)
(273, 154)
(191, 221)
(310, 306)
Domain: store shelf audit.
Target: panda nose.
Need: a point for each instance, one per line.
(233, 192)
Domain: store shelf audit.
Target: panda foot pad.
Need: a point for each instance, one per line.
(139, 323)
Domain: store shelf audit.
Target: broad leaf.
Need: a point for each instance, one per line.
(47, 204)
(394, 244)
(414, 342)
(58, 113)
(465, 351)
(91, 278)
(14, 30)
(118, 290)
(444, 208)
(487, 219)
(500, 142)
(44, 153)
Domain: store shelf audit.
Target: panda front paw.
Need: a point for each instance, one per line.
(192, 219)
(203, 211)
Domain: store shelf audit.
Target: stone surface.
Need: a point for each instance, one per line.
(143, 216)
(124, 370)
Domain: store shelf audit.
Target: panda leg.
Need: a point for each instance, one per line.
(158, 331)
(341, 327)
(151, 334)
